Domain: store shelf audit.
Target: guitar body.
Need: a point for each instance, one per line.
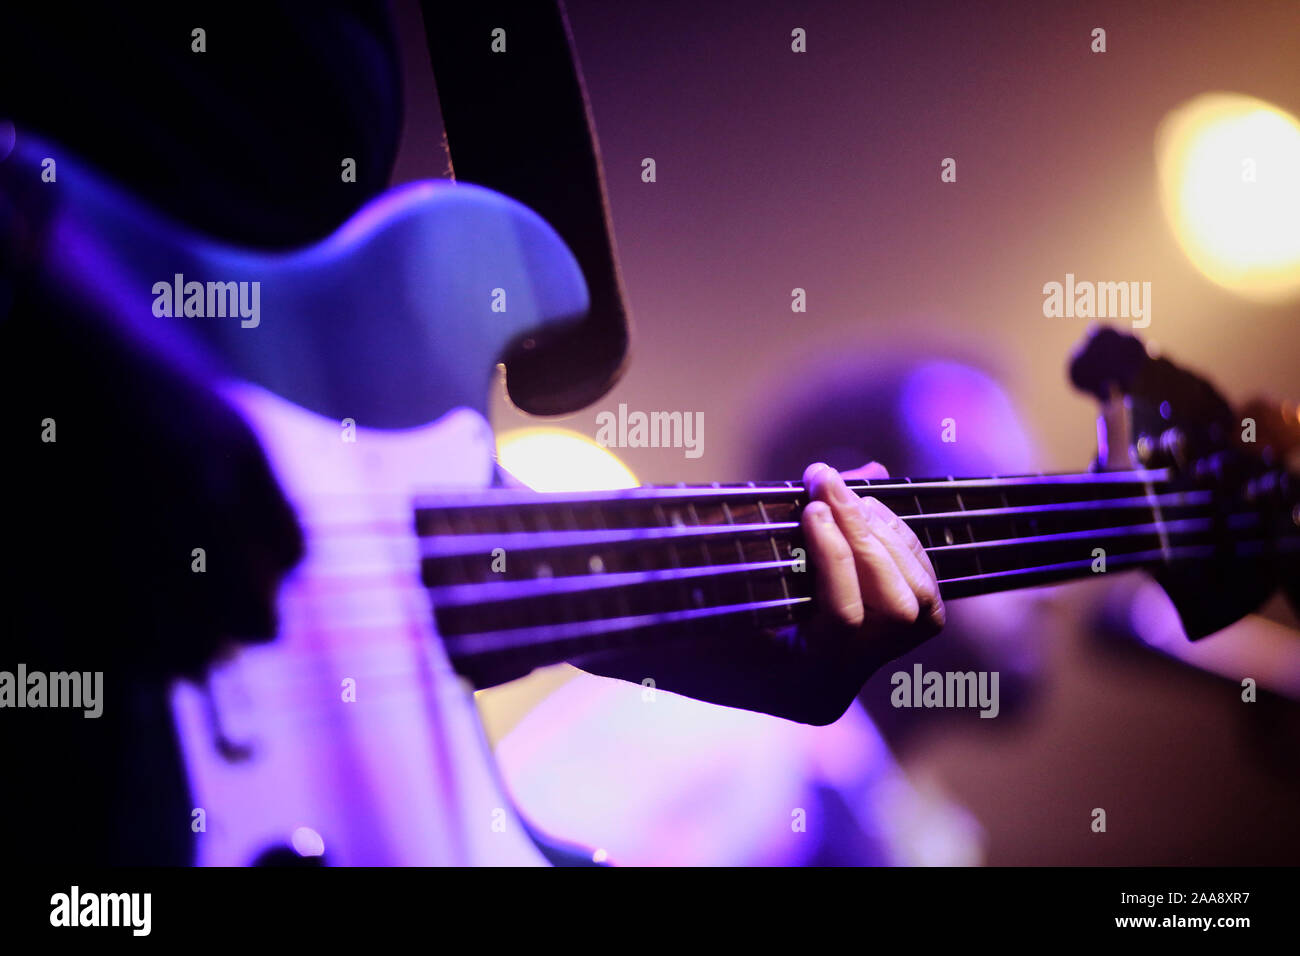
(365, 376)
(392, 321)
(355, 724)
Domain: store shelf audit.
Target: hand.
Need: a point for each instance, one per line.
(877, 592)
(877, 598)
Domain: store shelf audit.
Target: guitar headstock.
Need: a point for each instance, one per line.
(1156, 414)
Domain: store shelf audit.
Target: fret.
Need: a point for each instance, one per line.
(465, 567)
(674, 556)
(531, 615)
(794, 588)
(943, 530)
(1013, 527)
(697, 593)
(600, 518)
(784, 574)
(740, 557)
(970, 535)
(923, 533)
(513, 523)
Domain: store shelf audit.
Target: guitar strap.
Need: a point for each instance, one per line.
(517, 121)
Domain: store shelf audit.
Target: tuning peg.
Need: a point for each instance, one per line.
(1146, 450)
(1107, 359)
(1275, 488)
(1211, 469)
(1173, 446)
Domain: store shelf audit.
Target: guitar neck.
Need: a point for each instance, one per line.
(549, 577)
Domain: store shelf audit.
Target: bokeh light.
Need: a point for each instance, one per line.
(1229, 170)
(307, 842)
(556, 459)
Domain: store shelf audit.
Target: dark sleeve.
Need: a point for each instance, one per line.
(518, 122)
(244, 141)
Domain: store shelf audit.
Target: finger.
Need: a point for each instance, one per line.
(829, 553)
(905, 549)
(871, 470)
(884, 589)
(914, 543)
(915, 576)
(874, 470)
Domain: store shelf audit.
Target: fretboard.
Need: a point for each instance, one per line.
(547, 577)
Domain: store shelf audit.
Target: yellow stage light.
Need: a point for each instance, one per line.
(1229, 170)
(556, 459)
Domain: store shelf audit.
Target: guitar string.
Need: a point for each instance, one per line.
(479, 643)
(452, 643)
(473, 644)
(396, 586)
(401, 528)
(472, 498)
(453, 595)
(332, 532)
(469, 496)
(599, 579)
(340, 577)
(439, 546)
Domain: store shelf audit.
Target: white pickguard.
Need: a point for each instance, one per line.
(401, 775)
